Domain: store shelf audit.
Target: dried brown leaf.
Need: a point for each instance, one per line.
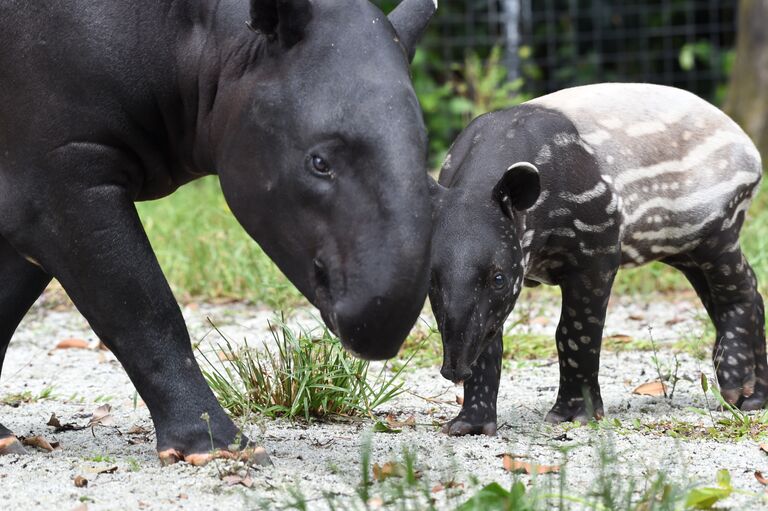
(234, 480)
(459, 400)
(652, 388)
(620, 337)
(102, 416)
(387, 470)
(521, 467)
(446, 486)
(764, 448)
(394, 423)
(39, 442)
(761, 478)
(72, 344)
(102, 470)
(81, 482)
(226, 356)
(59, 427)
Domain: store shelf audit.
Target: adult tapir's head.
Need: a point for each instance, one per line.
(323, 159)
(477, 257)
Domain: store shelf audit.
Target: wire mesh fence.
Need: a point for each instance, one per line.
(684, 43)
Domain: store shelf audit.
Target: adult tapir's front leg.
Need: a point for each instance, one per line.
(478, 413)
(93, 242)
(579, 335)
(21, 282)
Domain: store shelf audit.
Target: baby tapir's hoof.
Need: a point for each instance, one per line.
(250, 455)
(11, 445)
(461, 426)
(575, 410)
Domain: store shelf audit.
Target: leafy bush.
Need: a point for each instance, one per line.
(452, 95)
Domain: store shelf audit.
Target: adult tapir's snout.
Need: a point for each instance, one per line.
(372, 287)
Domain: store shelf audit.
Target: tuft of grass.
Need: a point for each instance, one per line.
(407, 489)
(19, 398)
(205, 253)
(306, 374)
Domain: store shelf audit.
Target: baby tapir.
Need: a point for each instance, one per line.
(565, 190)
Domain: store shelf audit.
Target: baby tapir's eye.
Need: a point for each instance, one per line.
(320, 165)
(499, 281)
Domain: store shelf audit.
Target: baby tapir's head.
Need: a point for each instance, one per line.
(477, 261)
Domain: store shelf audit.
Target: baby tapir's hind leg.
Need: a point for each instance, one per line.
(21, 283)
(478, 413)
(736, 309)
(579, 335)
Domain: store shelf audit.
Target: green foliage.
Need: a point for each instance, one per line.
(707, 497)
(452, 95)
(205, 253)
(306, 374)
(494, 496)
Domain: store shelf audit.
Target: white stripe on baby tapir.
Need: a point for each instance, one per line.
(690, 161)
(580, 198)
(707, 196)
(675, 231)
(581, 226)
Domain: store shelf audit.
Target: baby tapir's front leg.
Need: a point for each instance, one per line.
(478, 413)
(579, 335)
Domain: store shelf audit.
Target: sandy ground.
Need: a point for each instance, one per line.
(325, 458)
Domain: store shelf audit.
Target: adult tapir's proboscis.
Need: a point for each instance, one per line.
(565, 190)
(305, 110)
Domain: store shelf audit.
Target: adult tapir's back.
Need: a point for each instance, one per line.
(673, 161)
(100, 72)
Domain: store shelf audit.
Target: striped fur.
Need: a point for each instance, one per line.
(629, 173)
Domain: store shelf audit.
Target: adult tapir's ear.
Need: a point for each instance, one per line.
(436, 194)
(281, 20)
(410, 20)
(518, 189)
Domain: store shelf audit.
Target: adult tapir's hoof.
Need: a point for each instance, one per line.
(574, 410)
(250, 455)
(11, 445)
(461, 427)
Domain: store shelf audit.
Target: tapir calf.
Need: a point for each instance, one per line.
(565, 190)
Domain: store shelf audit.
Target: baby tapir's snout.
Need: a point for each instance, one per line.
(459, 343)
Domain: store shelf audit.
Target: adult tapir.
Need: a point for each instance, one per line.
(304, 108)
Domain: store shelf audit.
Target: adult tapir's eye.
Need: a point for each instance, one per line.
(320, 165)
(499, 281)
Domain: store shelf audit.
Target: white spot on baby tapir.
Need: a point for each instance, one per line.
(585, 339)
(573, 363)
(544, 155)
(612, 123)
(645, 128)
(572, 344)
(596, 137)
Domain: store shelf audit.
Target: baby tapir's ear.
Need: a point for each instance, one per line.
(519, 188)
